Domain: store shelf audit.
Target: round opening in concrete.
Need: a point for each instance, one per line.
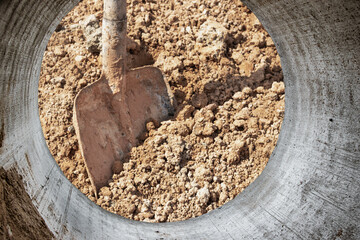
(225, 74)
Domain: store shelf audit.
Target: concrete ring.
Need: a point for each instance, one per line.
(310, 188)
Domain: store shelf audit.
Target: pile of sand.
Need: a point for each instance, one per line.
(225, 73)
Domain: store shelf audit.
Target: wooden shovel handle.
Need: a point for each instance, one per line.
(114, 43)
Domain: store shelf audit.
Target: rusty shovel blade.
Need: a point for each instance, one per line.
(108, 124)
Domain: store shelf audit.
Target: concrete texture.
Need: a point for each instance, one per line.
(310, 188)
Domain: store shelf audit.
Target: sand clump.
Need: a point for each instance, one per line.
(225, 73)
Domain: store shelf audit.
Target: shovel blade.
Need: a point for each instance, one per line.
(148, 97)
(102, 127)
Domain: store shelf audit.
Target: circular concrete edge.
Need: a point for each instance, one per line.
(310, 188)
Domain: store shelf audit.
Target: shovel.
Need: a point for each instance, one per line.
(110, 114)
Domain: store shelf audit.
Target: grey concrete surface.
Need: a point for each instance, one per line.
(310, 188)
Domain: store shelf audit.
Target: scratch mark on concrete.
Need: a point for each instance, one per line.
(2, 134)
